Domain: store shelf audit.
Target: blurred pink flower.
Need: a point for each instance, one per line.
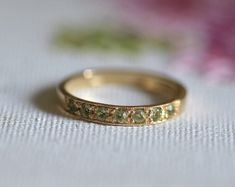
(212, 22)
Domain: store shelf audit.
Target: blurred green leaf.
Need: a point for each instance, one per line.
(109, 40)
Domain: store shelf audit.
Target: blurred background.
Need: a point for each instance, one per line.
(42, 42)
(198, 36)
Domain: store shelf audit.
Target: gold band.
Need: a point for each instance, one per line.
(172, 96)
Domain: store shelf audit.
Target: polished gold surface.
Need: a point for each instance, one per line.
(170, 98)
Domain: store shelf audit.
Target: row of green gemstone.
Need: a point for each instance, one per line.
(121, 115)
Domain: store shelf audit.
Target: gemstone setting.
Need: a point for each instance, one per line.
(170, 110)
(139, 116)
(72, 107)
(157, 114)
(86, 111)
(121, 116)
(102, 113)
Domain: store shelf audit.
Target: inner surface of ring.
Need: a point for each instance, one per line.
(161, 89)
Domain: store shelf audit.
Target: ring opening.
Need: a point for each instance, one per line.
(160, 88)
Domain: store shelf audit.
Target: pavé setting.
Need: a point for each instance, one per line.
(121, 115)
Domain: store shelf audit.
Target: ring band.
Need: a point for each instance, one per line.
(171, 92)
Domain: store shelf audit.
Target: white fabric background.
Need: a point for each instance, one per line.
(39, 147)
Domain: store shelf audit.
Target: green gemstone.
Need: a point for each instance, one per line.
(121, 116)
(102, 113)
(157, 114)
(139, 116)
(170, 109)
(86, 111)
(72, 107)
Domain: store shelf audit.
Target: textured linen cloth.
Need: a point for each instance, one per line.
(41, 147)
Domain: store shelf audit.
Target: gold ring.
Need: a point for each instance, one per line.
(171, 92)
